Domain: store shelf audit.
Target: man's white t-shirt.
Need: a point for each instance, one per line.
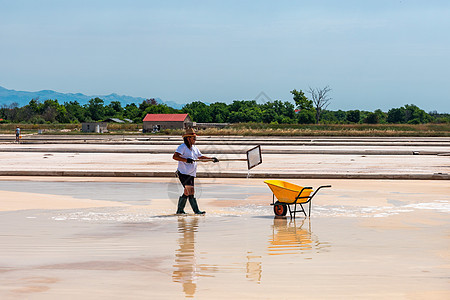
(194, 153)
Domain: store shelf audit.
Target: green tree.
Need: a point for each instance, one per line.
(396, 115)
(306, 116)
(371, 118)
(376, 117)
(132, 112)
(114, 110)
(409, 113)
(238, 117)
(95, 109)
(353, 116)
(24, 114)
(220, 112)
(269, 115)
(12, 112)
(35, 106)
(245, 111)
(75, 112)
(158, 109)
(3, 110)
(381, 116)
(147, 102)
(52, 111)
(415, 115)
(301, 100)
(198, 111)
(306, 113)
(341, 115)
(252, 114)
(329, 117)
(277, 112)
(439, 117)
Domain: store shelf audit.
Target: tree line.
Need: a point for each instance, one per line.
(303, 111)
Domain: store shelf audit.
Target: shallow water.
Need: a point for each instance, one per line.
(389, 246)
(133, 193)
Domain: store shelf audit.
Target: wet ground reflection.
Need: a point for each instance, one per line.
(135, 193)
(254, 268)
(291, 236)
(238, 250)
(195, 259)
(185, 267)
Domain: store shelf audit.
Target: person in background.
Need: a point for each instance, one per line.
(17, 134)
(187, 154)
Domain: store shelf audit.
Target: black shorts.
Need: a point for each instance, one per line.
(185, 179)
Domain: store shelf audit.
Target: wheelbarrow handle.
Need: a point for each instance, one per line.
(325, 186)
(322, 186)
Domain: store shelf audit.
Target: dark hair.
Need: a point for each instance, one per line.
(186, 142)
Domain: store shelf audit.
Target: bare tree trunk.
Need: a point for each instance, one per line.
(320, 100)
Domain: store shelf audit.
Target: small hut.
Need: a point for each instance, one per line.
(156, 122)
(97, 127)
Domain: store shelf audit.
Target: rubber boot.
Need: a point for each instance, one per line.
(194, 205)
(181, 204)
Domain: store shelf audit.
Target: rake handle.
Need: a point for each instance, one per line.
(222, 159)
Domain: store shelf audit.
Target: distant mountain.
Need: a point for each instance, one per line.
(23, 98)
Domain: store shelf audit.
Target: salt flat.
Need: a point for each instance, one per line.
(413, 158)
(117, 237)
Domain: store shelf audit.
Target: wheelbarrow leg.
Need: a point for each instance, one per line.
(310, 203)
(295, 211)
(290, 211)
(303, 210)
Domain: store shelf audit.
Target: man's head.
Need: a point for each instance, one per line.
(190, 137)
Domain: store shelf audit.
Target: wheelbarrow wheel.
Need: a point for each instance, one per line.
(280, 209)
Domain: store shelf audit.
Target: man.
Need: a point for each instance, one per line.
(17, 134)
(187, 154)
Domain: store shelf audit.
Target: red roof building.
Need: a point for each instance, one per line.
(156, 122)
(165, 117)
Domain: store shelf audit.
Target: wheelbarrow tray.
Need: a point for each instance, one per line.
(287, 192)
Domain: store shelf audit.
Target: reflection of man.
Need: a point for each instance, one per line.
(185, 264)
(254, 269)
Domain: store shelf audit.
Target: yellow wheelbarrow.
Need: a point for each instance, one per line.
(291, 194)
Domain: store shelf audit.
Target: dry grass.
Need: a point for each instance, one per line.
(333, 130)
(257, 129)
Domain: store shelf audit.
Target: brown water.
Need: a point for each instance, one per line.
(360, 242)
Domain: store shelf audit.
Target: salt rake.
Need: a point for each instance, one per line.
(253, 159)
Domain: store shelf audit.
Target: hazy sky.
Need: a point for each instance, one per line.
(373, 54)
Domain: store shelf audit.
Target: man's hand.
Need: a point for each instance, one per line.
(215, 159)
(189, 160)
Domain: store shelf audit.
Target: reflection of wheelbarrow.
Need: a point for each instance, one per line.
(288, 194)
(287, 238)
